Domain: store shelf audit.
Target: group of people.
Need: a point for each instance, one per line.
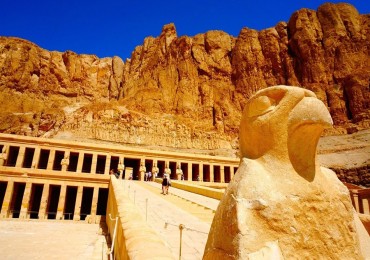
(148, 176)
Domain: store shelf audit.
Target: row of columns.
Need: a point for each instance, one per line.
(108, 159)
(42, 213)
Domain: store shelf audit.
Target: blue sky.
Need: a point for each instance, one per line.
(115, 27)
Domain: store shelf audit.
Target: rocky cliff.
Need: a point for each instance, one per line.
(188, 92)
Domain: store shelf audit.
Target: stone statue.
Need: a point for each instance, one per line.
(142, 171)
(120, 168)
(281, 204)
(179, 172)
(167, 171)
(3, 156)
(155, 170)
(64, 163)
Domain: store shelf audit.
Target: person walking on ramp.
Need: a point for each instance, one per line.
(165, 184)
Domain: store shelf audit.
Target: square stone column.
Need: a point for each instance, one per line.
(211, 173)
(20, 157)
(94, 203)
(77, 211)
(7, 198)
(190, 172)
(25, 201)
(222, 173)
(36, 158)
(61, 202)
(80, 162)
(44, 201)
(51, 159)
(107, 164)
(94, 162)
(200, 171)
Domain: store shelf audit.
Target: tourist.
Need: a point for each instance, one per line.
(165, 184)
(146, 176)
(149, 176)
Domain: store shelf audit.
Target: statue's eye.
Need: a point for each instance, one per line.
(260, 106)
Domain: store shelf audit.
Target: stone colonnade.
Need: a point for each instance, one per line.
(57, 179)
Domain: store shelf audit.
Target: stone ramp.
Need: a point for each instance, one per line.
(179, 199)
(160, 209)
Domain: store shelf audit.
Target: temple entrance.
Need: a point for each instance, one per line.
(173, 175)
(102, 201)
(59, 155)
(217, 173)
(16, 202)
(206, 173)
(12, 156)
(195, 169)
(53, 200)
(73, 160)
(135, 165)
(161, 166)
(3, 186)
(184, 168)
(28, 157)
(35, 200)
(44, 158)
(227, 174)
(70, 202)
(100, 164)
(86, 202)
(86, 164)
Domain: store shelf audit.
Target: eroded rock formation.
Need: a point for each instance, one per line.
(188, 92)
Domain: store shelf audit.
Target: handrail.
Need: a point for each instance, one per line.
(114, 237)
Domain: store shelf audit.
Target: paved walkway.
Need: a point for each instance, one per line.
(51, 239)
(161, 209)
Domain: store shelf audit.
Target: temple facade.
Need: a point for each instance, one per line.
(57, 179)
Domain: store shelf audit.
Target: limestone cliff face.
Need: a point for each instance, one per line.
(188, 92)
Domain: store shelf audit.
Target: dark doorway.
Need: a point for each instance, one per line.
(44, 158)
(173, 175)
(100, 164)
(227, 174)
(195, 170)
(86, 165)
(114, 163)
(135, 165)
(102, 201)
(16, 202)
(70, 202)
(59, 155)
(73, 160)
(53, 200)
(184, 168)
(12, 156)
(161, 166)
(28, 157)
(35, 200)
(149, 165)
(206, 173)
(86, 202)
(216, 173)
(3, 186)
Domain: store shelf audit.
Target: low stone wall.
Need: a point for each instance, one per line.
(134, 238)
(196, 188)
